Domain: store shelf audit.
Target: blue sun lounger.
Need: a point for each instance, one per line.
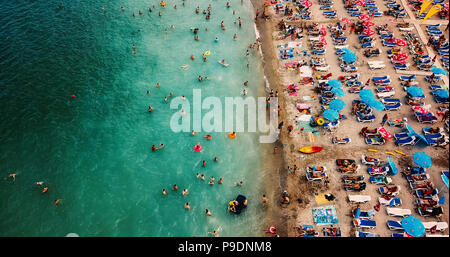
(318, 52)
(407, 77)
(388, 44)
(355, 14)
(394, 225)
(380, 78)
(401, 66)
(390, 100)
(401, 135)
(364, 223)
(433, 137)
(392, 107)
(365, 234)
(440, 100)
(326, 7)
(405, 141)
(369, 118)
(398, 235)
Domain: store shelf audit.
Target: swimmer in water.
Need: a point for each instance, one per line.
(185, 192)
(223, 62)
(244, 92)
(200, 78)
(216, 159)
(207, 212)
(217, 39)
(57, 201)
(220, 181)
(235, 36)
(198, 175)
(211, 181)
(45, 190)
(164, 192)
(246, 83)
(183, 113)
(186, 206)
(160, 14)
(148, 92)
(202, 177)
(140, 12)
(40, 183)
(154, 148)
(165, 99)
(193, 133)
(175, 187)
(165, 31)
(103, 8)
(208, 137)
(134, 15)
(175, 7)
(196, 38)
(170, 94)
(150, 109)
(192, 57)
(184, 66)
(172, 27)
(161, 146)
(215, 233)
(150, 9)
(123, 9)
(157, 85)
(183, 97)
(204, 58)
(13, 176)
(204, 163)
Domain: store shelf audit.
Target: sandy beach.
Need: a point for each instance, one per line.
(300, 190)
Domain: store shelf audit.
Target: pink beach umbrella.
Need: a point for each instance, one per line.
(364, 17)
(323, 40)
(323, 30)
(347, 21)
(360, 3)
(369, 32)
(368, 23)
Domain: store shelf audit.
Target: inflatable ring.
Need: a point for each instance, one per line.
(320, 121)
(372, 150)
(272, 230)
(208, 136)
(231, 135)
(341, 78)
(207, 53)
(197, 148)
(402, 153)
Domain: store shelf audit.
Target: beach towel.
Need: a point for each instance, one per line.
(321, 199)
(325, 215)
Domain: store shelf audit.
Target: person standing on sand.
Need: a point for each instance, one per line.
(445, 116)
(264, 200)
(385, 118)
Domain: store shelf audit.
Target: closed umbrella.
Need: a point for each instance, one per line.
(337, 104)
(439, 71)
(337, 91)
(330, 115)
(415, 91)
(422, 159)
(334, 83)
(413, 226)
(357, 213)
(392, 166)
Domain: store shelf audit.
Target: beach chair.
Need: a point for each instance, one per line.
(382, 82)
(417, 178)
(426, 119)
(375, 140)
(436, 211)
(390, 100)
(365, 234)
(398, 234)
(440, 226)
(440, 100)
(366, 215)
(368, 45)
(388, 44)
(406, 141)
(402, 135)
(386, 94)
(395, 225)
(369, 118)
(322, 68)
(392, 107)
(319, 52)
(359, 198)
(401, 66)
(378, 171)
(394, 190)
(436, 87)
(398, 212)
(380, 180)
(407, 77)
(434, 136)
(373, 65)
(422, 193)
(364, 224)
(394, 202)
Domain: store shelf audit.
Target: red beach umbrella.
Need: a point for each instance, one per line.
(401, 42)
(369, 32)
(307, 4)
(364, 17)
(368, 23)
(360, 3)
(347, 21)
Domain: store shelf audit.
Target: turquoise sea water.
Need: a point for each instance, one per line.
(94, 150)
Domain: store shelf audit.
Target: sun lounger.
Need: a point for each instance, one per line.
(322, 69)
(386, 94)
(402, 66)
(340, 46)
(394, 202)
(380, 180)
(368, 45)
(366, 215)
(365, 234)
(440, 226)
(406, 141)
(402, 135)
(436, 87)
(376, 65)
(319, 52)
(440, 100)
(382, 82)
(393, 107)
(374, 171)
(394, 190)
(390, 100)
(431, 212)
(388, 44)
(369, 118)
(434, 136)
(436, 235)
(395, 225)
(359, 198)
(417, 178)
(421, 193)
(398, 235)
(359, 223)
(407, 77)
(426, 119)
(398, 212)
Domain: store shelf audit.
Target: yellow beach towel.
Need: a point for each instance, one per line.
(320, 199)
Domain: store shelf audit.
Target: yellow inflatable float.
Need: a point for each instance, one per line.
(402, 153)
(232, 134)
(391, 153)
(372, 150)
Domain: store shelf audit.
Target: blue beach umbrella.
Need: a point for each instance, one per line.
(415, 91)
(334, 83)
(375, 104)
(411, 132)
(413, 226)
(422, 159)
(439, 71)
(337, 104)
(392, 165)
(337, 91)
(442, 93)
(349, 57)
(330, 114)
(366, 93)
(442, 200)
(347, 51)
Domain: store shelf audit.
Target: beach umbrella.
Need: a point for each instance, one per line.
(347, 21)
(411, 132)
(422, 159)
(364, 17)
(444, 178)
(334, 83)
(442, 93)
(349, 57)
(369, 32)
(442, 200)
(420, 109)
(337, 104)
(415, 91)
(439, 71)
(400, 42)
(375, 104)
(366, 94)
(337, 91)
(413, 226)
(330, 114)
(368, 23)
(307, 4)
(347, 51)
(360, 3)
(392, 166)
